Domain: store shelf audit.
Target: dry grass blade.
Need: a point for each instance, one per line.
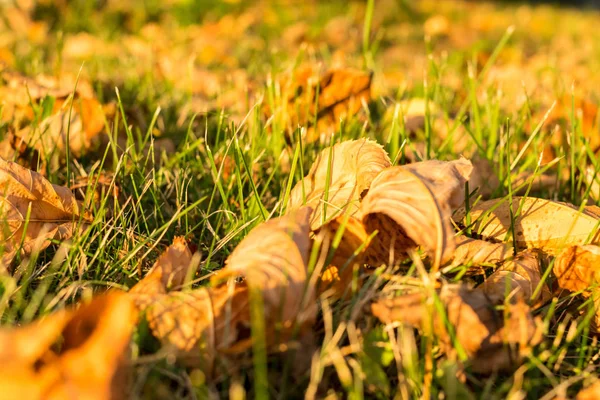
(353, 165)
(34, 211)
(412, 206)
(541, 224)
(470, 325)
(517, 279)
(71, 354)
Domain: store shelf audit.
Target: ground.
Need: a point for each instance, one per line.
(195, 119)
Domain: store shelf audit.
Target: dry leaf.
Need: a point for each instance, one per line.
(411, 205)
(341, 94)
(196, 323)
(591, 392)
(517, 279)
(35, 211)
(199, 323)
(348, 255)
(273, 260)
(577, 268)
(49, 136)
(477, 253)
(169, 271)
(492, 342)
(353, 165)
(70, 354)
(541, 224)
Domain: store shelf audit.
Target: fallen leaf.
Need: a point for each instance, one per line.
(21, 96)
(591, 392)
(353, 165)
(492, 342)
(577, 268)
(347, 256)
(273, 260)
(169, 271)
(198, 324)
(411, 205)
(70, 354)
(541, 224)
(479, 253)
(437, 25)
(337, 94)
(517, 279)
(35, 211)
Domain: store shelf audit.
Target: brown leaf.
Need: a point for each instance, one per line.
(202, 322)
(70, 354)
(34, 211)
(199, 323)
(411, 205)
(517, 279)
(49, 137)
(341, 94)
(353, 165)
(577, 268)
(477, 253)
(169, 271)
(591, 392)
(348, 255)
(492, 342)
(541, 224)
(273, 260)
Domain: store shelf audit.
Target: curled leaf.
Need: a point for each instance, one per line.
(518, 278)
(34, 211)
(71, 354)
(412, 205)
(273, 260)
(490, 341)
(352, 166)
(538, 223)
(198, 324)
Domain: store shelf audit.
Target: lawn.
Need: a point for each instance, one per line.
(299, 199)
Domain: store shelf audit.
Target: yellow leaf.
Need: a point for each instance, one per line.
(540, 224)
(70, 354)
(34, 211)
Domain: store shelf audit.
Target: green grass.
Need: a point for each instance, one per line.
(196, 192)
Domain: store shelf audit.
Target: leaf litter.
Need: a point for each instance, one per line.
(429, 245)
